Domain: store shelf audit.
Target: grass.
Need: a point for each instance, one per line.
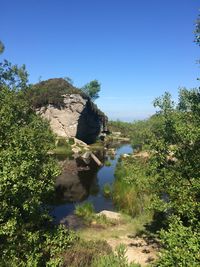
(127, 225)
(107, 163)
(83, 253)
(63, 148)
(98, 145)
(87, 212)
(107, 191)
(131, 192)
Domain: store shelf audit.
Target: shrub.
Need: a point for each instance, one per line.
(50, 92)
(83, 253)
(85, 210)
(117, 259)
(27, 173)
(131, 192)
(107, 190)
(181, 246)
(107, 163)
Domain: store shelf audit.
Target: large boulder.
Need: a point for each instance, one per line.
(70, 114)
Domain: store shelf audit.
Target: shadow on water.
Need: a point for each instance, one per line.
(80, 182)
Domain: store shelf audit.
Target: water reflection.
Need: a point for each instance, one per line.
(77, 181)
(81, 182)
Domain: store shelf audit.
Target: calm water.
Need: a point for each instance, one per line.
(77, 184)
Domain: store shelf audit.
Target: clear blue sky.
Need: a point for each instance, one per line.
(137, 49)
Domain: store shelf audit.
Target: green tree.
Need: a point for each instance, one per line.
(92, 89)
(176, 156)
(27, 173)
(175, 165)
(14, 77)
(2, 47)
(197, 31)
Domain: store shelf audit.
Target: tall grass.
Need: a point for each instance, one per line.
(63, 148)
(87, 212)
(107, 190)
(131, 192)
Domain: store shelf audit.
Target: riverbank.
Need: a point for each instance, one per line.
(140, 247)
(120, 184)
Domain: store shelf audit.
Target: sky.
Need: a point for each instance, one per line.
(136, 49)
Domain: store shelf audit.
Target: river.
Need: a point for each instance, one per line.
(78, 184)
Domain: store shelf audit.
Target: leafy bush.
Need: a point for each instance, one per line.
(27, 173)
(85, 210)
(175, 165)
(107, 163)
(131, 191)
(50, 92)
(181, 246)
(140, 132)
(107, 190)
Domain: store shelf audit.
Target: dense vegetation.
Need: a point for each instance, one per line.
(140, 131)
(27, 171)
(51, 91)
(175, 166)
(167, 179)
(131, 190)
(171, 174)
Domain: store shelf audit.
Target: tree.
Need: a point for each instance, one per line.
(27, 173)
(197, 31)
(175, 165)
(92, 89)
(12, 76)
(2, 47)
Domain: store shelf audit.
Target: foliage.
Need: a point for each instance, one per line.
(92, 89)
(197, 31)
(107, 163)
(14, 77)
(175, 165)
(176, 156)
(131, 191)
(87, 212)
(27, 173)
(140, 132)
(181, 245)
(2, 47)
(117, 259)
(107, 190)
(83, 253)
(51, 91)
(63, 148)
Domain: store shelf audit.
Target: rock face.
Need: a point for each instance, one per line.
(78, 117)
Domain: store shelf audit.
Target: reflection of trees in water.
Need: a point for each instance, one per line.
(77, 181)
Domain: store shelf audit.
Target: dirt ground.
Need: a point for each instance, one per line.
(139, 248)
